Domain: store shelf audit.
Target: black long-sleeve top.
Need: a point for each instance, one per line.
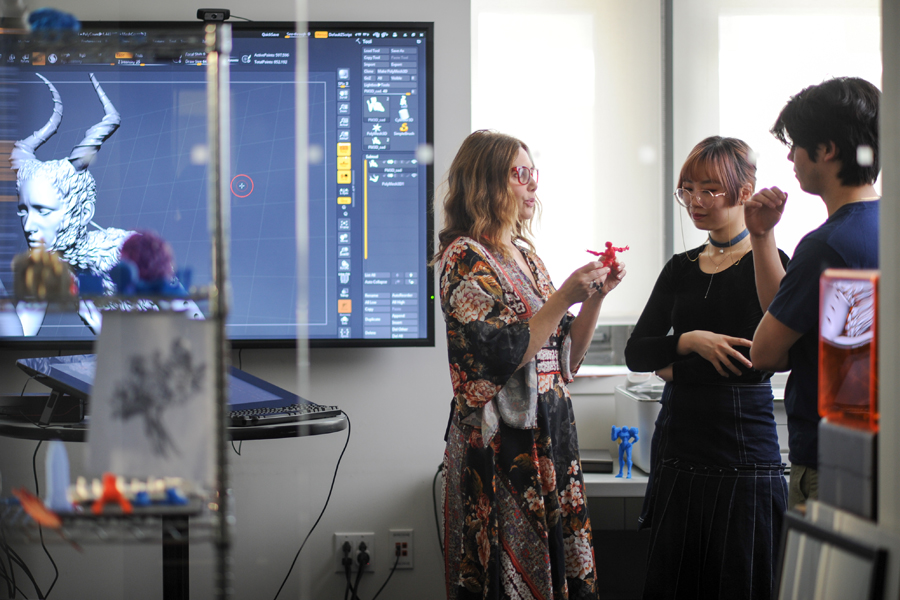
(677, 305)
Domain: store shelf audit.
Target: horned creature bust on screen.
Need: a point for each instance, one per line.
(56, 204)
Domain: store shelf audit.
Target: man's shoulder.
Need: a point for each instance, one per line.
(798, 292)
(848, 239)
(851, 220)
(858, 221)
(852, 233)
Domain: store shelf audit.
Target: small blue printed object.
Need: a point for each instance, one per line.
(626, 437)
(174, 496)
(128, 282)
(50, 19)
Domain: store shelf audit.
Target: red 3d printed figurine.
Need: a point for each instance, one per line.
(608, 256)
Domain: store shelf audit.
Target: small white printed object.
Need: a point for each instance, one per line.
(57, 474)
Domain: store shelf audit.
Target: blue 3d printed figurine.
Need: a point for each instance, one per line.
(626, 437)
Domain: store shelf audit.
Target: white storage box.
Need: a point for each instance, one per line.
(638, 407)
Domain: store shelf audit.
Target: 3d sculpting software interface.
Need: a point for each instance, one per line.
(368, 181)
(380, 188)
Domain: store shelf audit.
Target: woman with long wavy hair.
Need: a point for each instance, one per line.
(515, 520)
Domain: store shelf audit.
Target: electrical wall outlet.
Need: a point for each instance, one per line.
(402, 541)
(355, 540)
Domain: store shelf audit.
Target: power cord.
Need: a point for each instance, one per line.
(437, 523)
(9, 589)
(37, 492)
(240, 442)
(22, 410)
(37, 424)
(8, 574)
(331, 489)
(348, 564)
(15, 558)
(362, 560)
(11, 555)
(394, 568)
(11, 586)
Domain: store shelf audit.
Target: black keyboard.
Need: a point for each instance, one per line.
(284, 414)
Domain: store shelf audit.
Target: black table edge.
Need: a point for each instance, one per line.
(78, 432)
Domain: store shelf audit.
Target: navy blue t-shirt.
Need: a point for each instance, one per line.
(847, 240)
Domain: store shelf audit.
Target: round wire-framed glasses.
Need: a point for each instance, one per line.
(704, 198)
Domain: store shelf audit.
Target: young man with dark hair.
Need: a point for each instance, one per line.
(832, 132)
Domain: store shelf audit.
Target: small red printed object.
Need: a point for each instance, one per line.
(608, 256)
(36, 509)
(110, 495)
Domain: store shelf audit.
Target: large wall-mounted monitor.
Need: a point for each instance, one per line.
(370, 179)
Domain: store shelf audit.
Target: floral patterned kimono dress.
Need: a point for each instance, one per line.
(515, 520)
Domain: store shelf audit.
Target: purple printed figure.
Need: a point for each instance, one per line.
(626, 437)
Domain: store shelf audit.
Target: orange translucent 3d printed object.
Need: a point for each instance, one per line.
(848, 347)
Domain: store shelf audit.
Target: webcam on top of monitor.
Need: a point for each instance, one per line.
(213, 14)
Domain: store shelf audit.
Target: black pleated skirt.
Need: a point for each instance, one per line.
(717, 494)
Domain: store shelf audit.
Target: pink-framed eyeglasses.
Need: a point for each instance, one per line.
(525, 175)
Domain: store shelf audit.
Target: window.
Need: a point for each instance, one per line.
(736, 66)
(579, 81)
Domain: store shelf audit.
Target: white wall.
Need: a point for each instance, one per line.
(397, 399)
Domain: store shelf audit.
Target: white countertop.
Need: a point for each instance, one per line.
(601, 370)
(610, 486)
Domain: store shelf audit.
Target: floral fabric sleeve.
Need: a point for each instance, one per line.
(545, 285)
(486, 340)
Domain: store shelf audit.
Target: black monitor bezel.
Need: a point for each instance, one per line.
(287, 343)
